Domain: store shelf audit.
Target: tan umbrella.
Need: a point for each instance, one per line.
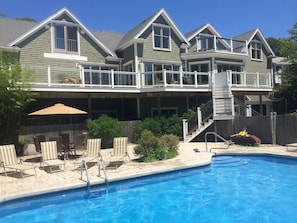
(59, 109)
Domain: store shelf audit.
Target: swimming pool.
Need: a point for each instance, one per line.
(231, 189)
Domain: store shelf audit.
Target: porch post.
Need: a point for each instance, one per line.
(199, 117)
(185, 128)
(248, 110)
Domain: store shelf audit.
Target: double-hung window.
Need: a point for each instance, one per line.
(256, 50)
(162, 37)
(66, 39)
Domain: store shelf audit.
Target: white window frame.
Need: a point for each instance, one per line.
(206, 38)
(257, 47)
(53, 38)
(162, 36)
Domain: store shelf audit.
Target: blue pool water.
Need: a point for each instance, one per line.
(231, 189)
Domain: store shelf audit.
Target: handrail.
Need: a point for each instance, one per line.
(217, 135)
(84, 165)
(104, 171)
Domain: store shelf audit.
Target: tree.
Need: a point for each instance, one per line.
(15, 94)
(288, 88)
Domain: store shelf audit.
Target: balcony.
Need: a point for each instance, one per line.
(83, 80)
(250, 80)
(221, 44)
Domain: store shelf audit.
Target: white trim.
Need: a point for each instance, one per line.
(228, 62)
(65, 56)
(168, 20)
(53, 17)
(161, 37)
(213, 31)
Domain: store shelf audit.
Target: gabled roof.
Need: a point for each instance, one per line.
(134, 34)
(11, 29)
(249, 36)
(53, 17)
(110, 39)
(195, 32)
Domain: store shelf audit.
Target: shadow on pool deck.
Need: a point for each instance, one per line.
(190, 155)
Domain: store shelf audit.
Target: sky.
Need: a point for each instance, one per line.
(229, 17)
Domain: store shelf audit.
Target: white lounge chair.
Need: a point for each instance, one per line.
(49, 155)
(8, 160)
(119, 153)
(92, 154)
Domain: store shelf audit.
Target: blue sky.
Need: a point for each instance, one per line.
(228, 17)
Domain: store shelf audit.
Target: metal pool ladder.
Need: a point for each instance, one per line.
(220, 137)
(84, 167)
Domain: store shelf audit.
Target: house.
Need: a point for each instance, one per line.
(151, 70)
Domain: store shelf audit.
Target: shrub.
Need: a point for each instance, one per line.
(105, 128)
(152, 148)
(159, 126)
(150, 124)
(146, 144)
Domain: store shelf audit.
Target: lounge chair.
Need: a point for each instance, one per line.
(49, 155)
(119, 153)
(92, 153)
(8, 160)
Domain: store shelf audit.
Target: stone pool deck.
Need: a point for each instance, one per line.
(13, 186)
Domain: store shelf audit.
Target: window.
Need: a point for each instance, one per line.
(97, 75)
(205, 42)
(66, 39)
(161, 37)
(256, 50)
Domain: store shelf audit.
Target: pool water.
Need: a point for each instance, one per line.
(231, 189)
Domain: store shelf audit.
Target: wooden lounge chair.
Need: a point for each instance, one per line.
(8, 160)
(49, 155)
(119, 153)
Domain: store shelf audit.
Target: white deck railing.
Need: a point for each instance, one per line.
(65, 77)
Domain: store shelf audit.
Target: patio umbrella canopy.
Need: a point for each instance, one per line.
(59, 109)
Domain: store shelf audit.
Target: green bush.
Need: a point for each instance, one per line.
(105, 128)
(151, 147)
(159, 126)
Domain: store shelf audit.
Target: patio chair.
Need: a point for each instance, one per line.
(49, 155)
(37, 139)
(119, 153)
(92, 152)
(79, 142)
(60, 147)
(67, 145)
(8, 160)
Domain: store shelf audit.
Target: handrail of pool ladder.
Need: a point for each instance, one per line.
(101, 165)
(217, 135)
(84, 166)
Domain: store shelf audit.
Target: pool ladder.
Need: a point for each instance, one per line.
(84, 167)
(218, 136)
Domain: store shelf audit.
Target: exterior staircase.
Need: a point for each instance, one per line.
(221, 107)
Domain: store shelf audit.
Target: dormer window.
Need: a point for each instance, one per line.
(162, 37)
(256, 50)
(205, 42)
(66, 39)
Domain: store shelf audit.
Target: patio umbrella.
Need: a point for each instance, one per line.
(59, 109)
